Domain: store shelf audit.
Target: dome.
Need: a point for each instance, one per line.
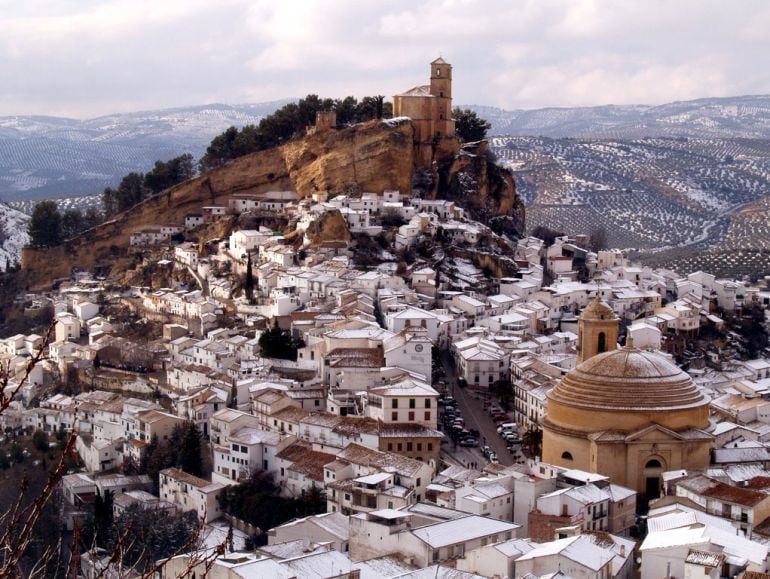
(627, 379)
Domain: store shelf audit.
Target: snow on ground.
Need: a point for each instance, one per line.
(13, 224)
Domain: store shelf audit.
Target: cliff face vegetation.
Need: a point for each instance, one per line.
(374, 156)
(487, 191)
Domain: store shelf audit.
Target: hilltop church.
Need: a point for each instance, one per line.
(430, 108)
(625, 413)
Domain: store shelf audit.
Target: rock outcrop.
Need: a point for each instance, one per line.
(374, 156)
(329, 230)
(473, 179)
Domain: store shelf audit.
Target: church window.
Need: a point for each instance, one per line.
(602, 346)
(566, 455)
(438, 72)
(441, 116)
(441, 94)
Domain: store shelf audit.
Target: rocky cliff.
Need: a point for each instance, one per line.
(486, 190)
(375, 156)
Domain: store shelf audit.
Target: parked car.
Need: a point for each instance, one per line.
(507, 427)
(469, 441)
(493, 458)
(486, 451)
(501, 418)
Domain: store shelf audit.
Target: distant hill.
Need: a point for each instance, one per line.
(46, 157)
(685, 176)
(729, 117)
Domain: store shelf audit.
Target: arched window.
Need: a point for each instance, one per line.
(602, 345)
(566, 455)
(653, 463)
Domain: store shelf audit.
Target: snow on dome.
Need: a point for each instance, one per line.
(628, 379)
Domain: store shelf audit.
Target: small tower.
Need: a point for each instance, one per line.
(597, 330)
(325, 120)
(441, 91)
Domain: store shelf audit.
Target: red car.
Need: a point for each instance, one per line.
(501, 418)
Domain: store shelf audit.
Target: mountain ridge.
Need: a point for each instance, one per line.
(47, 156)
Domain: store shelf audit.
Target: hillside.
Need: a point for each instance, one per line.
(44, 157)
(649, 193)
(722, 118)
(374, 156)
(13, 235)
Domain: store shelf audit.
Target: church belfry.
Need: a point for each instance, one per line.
(430, 108)
(441, 90)
(597, 330)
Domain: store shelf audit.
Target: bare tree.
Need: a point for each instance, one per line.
(18, 524)
(598, 239)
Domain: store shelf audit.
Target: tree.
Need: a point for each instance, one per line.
(170, 173)
(532, 443)
(102, 516)
(189, 458)
(72, 223)
(598, 239)
(391, 217)
(249, 283)
(503, 389)
(546, 234)
(130, 191)
(288, 122)
(257, 501)
(278, 343)
(40, 440)
(45, 225)
(143, 536)
(469, 127)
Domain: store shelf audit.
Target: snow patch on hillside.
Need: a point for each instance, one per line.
(13, 225)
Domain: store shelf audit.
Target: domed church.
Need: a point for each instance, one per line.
(624, 413)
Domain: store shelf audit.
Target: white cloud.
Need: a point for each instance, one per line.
(86, 57)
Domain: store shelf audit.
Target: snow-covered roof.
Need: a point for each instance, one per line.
(461, 530)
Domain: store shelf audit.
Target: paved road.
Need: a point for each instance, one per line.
(471, 405)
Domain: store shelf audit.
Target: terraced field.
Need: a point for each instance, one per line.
(653, 194)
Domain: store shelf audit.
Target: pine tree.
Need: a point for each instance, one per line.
(249, 284)
(190, 450)
(45, 225)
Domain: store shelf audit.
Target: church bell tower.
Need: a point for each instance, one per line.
(597, 330)
(441, 91)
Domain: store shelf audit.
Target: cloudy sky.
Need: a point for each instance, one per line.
(84, 58)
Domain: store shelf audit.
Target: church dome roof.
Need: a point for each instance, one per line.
(628, 379)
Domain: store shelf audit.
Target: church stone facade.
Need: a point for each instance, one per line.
(429, 107)
(625, 413)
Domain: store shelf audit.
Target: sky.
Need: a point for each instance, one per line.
(85, 58)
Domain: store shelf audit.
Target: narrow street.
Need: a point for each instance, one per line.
(471, 405)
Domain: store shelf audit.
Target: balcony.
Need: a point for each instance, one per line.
(363, 501)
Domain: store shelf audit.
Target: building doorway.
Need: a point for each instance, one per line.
(653, 468)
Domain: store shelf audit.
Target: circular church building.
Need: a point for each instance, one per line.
(624, 413)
